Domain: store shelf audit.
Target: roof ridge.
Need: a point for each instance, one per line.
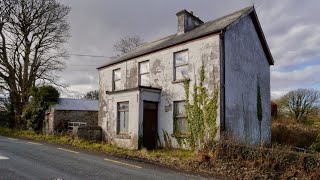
(79, 99)
(146, 45)
(222, 17)
(204, 29)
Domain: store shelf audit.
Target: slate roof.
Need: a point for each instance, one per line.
(77, 104)
(207, 28)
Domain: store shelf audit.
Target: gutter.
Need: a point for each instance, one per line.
(222, 81)
(163, 48)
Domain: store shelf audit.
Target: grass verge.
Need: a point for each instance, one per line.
(224, 159)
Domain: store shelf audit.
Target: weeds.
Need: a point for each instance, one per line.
(223, 159)
(295, 134)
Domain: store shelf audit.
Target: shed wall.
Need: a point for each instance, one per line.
(58, 119)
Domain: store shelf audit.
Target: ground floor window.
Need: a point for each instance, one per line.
(180, 126)
(123, 118)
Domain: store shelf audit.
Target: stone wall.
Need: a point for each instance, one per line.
(89, 132)
(58, 119)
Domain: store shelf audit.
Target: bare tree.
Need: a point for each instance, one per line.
(128, 43)
(92, 95)
(32, 35)
(300, 104)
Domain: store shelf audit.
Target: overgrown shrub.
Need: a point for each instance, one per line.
(34, 112)
(316, 144)
(294, 134)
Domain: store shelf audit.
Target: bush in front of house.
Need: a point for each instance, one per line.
(41, 98)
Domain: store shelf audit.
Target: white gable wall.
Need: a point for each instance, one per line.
(246, 66)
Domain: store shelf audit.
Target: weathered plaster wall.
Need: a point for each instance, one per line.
(58, 119)
(204, 50)
(246, 67)
(49, 121)
(109, 122)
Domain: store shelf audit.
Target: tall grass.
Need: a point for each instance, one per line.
(222, 158)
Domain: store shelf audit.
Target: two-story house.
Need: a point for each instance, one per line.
(140, 90)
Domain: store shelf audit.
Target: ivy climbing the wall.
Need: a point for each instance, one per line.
(201, 112)
(259, 110)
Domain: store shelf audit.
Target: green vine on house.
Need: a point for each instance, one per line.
(201, 112)
(259, 109)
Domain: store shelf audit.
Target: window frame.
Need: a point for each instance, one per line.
(139, 71)
(118, 118)
(179, 116)
(114, 80)
(181, 65)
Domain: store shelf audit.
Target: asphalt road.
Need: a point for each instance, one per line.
(22, 159)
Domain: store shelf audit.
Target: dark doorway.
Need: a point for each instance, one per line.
(150, 124)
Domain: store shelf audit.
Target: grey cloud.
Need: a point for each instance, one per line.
(97, 24)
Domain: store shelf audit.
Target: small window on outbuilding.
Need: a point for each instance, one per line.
(181, 123)
(144, 73)
(181, 68)
(123, 118)
(116, 79)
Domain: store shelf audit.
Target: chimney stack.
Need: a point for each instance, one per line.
(187, 21)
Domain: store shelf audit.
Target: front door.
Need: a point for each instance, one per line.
(150, 124)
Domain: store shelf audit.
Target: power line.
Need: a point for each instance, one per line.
(88, 55)
(85, 55)
(262, 1)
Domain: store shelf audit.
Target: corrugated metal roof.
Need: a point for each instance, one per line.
(200, 31)
(77, 104)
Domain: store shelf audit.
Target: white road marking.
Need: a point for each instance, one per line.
(35, 143)
(68, 150)
(106, 159)
(3, 158)
(13, 139)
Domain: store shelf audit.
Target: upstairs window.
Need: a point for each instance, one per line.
(144, 73)
(181, 126)
(181, 68)
(123, 118)
(116, 80)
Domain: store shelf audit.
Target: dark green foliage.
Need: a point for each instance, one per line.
(259, 110)
(316, 145)
(92, 95)
(6, 113)
(259, 104)
(41, 99)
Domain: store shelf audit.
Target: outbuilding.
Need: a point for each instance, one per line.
(70, 113)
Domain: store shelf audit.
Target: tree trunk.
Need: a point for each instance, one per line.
(17, 110)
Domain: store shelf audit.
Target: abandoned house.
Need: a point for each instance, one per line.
(69, 113)
(141, 90)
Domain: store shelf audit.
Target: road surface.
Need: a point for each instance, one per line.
(22, 159)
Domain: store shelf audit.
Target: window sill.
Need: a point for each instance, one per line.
(123, 136)
(180, 81)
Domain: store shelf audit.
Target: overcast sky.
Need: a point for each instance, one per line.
(291, 27)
